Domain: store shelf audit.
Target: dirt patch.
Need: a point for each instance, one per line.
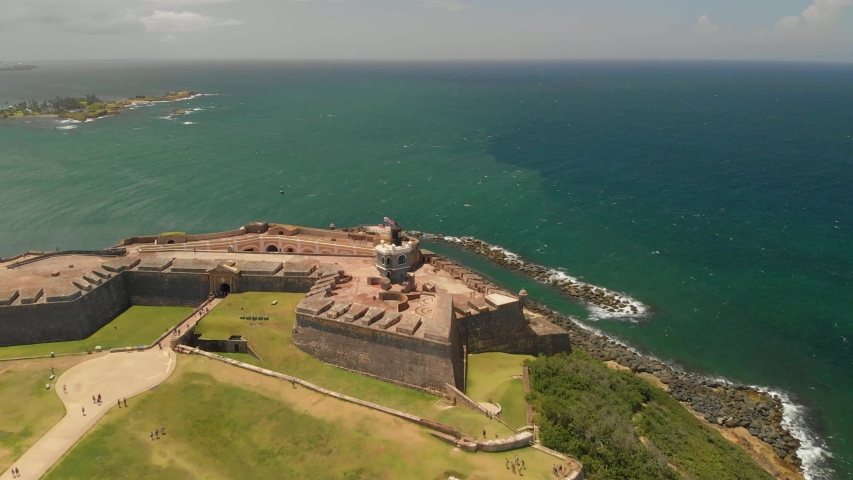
(655, 381)
(757, 449)
(615, 366)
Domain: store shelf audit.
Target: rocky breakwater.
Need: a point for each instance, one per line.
(602, 301)
(719, 402)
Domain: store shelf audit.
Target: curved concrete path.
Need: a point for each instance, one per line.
(113, 376)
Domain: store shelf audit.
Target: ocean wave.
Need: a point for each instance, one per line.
(189, 123)
(813, 451)
(67, 127)
(167, 117)
(69, 120)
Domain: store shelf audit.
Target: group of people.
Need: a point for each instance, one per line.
(155, 434)
(517, 466)
(15, 472)
(560, 470)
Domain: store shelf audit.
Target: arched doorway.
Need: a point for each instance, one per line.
(289, 249)
(224, 289)
(272, 248)
(171, 241)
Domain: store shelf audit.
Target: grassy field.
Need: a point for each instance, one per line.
(136, 326)
(490, 375)
(224, 423)
(271, 339)
(28, 410)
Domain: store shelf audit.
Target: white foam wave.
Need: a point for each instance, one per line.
(69, 120)
(562, 279)
(67, 127)
(813, 451)
(189, 123)
(167, 117)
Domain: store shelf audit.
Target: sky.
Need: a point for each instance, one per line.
(812, 30)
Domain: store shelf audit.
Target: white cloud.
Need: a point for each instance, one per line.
(87, 16)
(819, 18)
(706, 28)
(183, 3)
(173, 22)
(446, 5)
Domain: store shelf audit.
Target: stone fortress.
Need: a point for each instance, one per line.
(376, 303)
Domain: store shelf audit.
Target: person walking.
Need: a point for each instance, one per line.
(94, 400)
(99, 399)
(119, 403)
(84, 411)
(151, 434)
(125, 402)
(156, 434)
(162, 429)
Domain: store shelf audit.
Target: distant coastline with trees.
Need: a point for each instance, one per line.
(82, 108)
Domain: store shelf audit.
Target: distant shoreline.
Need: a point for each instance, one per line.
(108, 108)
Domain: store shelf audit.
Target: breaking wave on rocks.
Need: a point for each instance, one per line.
(813, 451)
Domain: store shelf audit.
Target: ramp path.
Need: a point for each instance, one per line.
(113, 376)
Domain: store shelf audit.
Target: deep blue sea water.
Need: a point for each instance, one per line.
(718, 194)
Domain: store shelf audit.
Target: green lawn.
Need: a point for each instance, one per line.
(271, 339)
(490, 376)
(136, 326)
(28, 410)
(224, 423)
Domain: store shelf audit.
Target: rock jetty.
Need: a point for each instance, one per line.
(608, 301)
(720, 402)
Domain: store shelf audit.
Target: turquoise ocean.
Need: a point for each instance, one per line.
(720, 195)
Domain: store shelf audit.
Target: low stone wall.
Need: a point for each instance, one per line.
(461, 399)
(519, 440)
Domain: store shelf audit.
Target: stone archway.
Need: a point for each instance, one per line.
(224, 289)
(272, 248)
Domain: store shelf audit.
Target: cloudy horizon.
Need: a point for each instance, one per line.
(45, 30)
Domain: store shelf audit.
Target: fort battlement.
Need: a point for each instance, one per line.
(375, 302)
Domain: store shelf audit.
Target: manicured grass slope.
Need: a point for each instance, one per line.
(136, 326)
(621, 427)
(225, 423)
(27, 409)
(490, 376)
(271, 339)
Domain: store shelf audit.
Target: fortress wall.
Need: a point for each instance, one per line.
(64, 321)
(167, 289)
(266, 283)
(383, 354)
(211, 236)
(486, 331)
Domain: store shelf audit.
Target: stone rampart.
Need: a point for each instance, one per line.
(64, 321)
(166, 289)
(266, 283)
(380, 353)
(490, 330)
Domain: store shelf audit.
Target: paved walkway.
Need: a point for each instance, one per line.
(113, 376)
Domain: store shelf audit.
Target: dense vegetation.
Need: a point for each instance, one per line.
(620, 427)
